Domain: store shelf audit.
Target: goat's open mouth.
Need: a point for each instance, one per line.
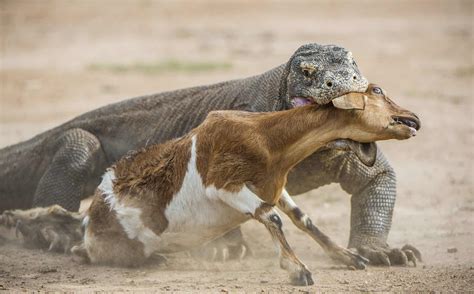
(412, 123)
(301, 101)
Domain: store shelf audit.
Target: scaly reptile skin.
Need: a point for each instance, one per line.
(373, 191)
(64, 165)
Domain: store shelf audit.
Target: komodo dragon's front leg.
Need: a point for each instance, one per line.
(373, 191)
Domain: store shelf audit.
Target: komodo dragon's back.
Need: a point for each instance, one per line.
(63, 165)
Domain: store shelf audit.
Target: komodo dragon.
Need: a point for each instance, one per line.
(64, 165)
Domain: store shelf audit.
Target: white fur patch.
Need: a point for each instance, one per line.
(85, 221)
(196, 214)
(128, 217)
(288, 200)
(107, 184)
(244, 201)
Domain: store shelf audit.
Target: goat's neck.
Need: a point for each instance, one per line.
(295, 134)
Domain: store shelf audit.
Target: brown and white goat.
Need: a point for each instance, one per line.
(233, 167)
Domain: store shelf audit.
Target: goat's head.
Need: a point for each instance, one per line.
(372, 116)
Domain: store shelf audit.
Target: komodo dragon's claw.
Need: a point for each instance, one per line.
(414, 250)
(231, 246)
(17, 229)
(386, 256)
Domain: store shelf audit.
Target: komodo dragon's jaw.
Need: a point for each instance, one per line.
(316, 74)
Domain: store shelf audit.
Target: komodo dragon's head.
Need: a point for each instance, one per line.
(316, 74)
(319, 73)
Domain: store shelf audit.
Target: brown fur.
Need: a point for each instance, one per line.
(237, 148)
(234, 149)
(106, 232)
(149, 179)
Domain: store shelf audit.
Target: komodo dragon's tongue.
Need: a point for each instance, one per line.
(301, 101)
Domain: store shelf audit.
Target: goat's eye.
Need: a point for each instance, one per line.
(306, 73)
(377, 90)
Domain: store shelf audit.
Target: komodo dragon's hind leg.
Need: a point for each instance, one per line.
(77, 160)
(74, 171)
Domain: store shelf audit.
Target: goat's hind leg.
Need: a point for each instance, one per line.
(249, 203)
(303, 222)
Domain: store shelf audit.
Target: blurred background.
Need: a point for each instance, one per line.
(62, 58)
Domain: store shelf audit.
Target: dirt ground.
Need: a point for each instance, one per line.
(62, 58)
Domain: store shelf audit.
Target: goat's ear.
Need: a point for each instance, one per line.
(366, 152)
(350, 101)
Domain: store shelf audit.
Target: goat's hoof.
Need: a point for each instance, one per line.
(302, 278)
(349, 258)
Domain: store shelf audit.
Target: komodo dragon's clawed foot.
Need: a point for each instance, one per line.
(386, 256)
(231, 246)
(222, 252)
(52, 228)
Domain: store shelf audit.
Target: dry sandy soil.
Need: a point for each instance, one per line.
(60, 59)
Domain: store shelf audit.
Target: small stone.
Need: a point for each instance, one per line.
(263, 282)
(45, 270)
(452, 250)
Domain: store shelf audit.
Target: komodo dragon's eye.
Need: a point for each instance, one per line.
(306, 73)
(377, 90)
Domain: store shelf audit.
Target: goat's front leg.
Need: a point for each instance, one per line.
(304, 223)
(249, 203)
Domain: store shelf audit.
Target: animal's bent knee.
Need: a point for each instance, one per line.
(81, 252)
(276, 220)
(297, 213)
